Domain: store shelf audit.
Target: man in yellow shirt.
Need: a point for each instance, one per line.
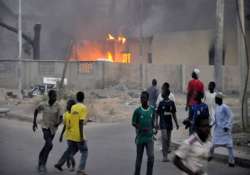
(70, 151)
(76, 135)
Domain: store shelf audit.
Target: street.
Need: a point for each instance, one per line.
(111, 151)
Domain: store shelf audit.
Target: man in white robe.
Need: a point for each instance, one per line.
(222, 135)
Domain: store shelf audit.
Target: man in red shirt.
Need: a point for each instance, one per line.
(195, 86)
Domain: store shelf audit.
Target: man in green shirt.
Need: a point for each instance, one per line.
(143, 121)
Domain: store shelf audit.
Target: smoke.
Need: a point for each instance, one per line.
(66, 20)
(184, 15)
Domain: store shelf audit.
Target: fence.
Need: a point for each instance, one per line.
(84, 75)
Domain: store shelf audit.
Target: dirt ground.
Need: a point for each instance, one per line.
(114, 104)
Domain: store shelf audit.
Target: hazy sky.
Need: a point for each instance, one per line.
(64, 20)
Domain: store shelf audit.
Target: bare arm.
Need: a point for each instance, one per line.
(34, 120)
(81, 123)
(60, 120)
(179, 164)
(61, 136)
(175, 120)
(188, 97)
(156, 120)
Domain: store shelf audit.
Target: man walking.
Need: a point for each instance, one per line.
(194, 86)
(153, 93)
(143, 121)
(222, 136)
(77, 138)
(166, 110)
(160, 97)
(198, 109)
(51, 118)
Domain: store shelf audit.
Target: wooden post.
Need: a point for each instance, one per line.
(36, 42)
(66, 61)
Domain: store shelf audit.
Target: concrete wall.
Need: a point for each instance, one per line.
(182, 47)
(190, 47)
(82, 75)
(8, 74)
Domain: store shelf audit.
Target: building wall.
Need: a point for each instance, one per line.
(190, 47)
(85, 75)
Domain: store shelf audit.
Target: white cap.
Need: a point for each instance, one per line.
(196, 71)
(220, 95)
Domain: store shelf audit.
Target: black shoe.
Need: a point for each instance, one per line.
(231, 165)
(210, 158)
(68, 163)
(58, 167)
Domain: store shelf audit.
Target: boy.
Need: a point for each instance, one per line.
(191, 157)
(50, 120)
(166, 110)
(143, 121)
(160, 97)
(68, 154)
(222, 136)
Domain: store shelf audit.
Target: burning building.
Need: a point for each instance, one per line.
(110, 49)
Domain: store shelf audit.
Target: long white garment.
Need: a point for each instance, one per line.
(160, 98)
(194, 153)
(210, 101)
(223, 119)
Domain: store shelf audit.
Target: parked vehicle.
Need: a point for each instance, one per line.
(40, 89)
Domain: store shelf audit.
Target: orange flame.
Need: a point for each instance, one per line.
(99, 51)
(122, 39)
(110, 56)
(110, 37)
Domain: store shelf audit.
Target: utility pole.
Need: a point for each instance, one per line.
(19, 67)
(141, 28)
(219, 39)
(242, 54)
(141, 11)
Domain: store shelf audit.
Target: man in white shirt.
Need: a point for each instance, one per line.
(210, 99)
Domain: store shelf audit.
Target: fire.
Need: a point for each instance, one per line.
(113, 49)
(110, 37)
(122, 39)
(109, 56)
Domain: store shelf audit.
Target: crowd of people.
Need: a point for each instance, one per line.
(206, 110)
(157, 112)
